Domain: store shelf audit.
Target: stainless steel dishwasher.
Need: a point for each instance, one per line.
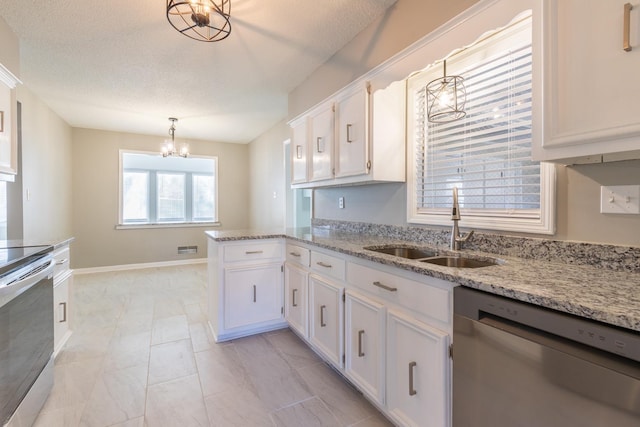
(517, 364)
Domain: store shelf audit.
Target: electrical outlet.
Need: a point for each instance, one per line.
(620, 199)
(341, 202)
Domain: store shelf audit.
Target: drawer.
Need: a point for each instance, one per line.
(417, 296)
(253, 251)
(61, 257)
(328, 265)
(298, 255)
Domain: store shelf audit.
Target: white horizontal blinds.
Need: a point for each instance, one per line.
(487, 155)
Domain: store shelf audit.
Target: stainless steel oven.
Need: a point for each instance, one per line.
(517, 364)
(26, 333)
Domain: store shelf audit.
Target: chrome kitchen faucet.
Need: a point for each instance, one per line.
(456, 238)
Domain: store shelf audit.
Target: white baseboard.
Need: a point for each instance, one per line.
(124, 267)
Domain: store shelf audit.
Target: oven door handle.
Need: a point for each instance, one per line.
(12, 290)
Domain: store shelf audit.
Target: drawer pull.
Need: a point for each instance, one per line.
(254, 293)
(294, 303)
(62, 261)
(322, 308)
(626, 30)
(298, 151)
(412, 391)
(385, 287)
(295, 254)
(253, 252)
(323, 264)
(318, 139)
(360, 352)
(64, 312)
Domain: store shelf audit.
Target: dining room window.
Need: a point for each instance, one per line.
(165, 191)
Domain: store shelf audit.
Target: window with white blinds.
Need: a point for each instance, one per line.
(487, 154)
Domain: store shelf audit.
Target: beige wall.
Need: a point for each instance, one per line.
(95, 201)
(267, 172)
(578, 187)
(46, 171)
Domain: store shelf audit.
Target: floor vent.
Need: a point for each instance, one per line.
(187, 249)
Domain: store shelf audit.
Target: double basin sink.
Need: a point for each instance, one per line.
(432, 257)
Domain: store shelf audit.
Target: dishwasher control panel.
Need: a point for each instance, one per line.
(476, 305)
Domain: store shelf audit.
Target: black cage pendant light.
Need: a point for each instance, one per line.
(446, 97)
(203, 20)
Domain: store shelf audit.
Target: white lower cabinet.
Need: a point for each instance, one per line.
(62, 286)
(246, 287)
(252, 295)
(326, 318)
(295, 291)
(418, 372)
(387, 330)
(365, 344)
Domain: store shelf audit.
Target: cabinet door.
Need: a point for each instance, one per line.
(8, 139)
(325, 318)
(418, 372)
(299, 148)
(295, 289)
(364, 344)
(61, 310)
(352, 134)
(252, 295)
(321, 144)
(592, 90)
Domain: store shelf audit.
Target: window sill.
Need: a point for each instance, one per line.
(168, 225)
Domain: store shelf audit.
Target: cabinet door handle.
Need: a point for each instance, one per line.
(295, 254)
(294, 303)
(254, 293)
(360, 334)
(626, 30)
(62, 261)
(322, 308)
(385, 287)
(64, 312)
(323, 264)
(318, 139)
(412, 391)
(349, 140)
(253, 252)
(298, 151)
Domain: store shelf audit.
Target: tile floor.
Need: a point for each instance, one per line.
(141, 355)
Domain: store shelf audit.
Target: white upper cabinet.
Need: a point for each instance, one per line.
(591, 84)
(357, 136)
(299, 151)
(8, 125)
(322, 139)
(352, 134)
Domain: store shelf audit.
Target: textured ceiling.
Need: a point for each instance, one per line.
(119, 65)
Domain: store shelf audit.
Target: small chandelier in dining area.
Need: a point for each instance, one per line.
(446, 97)
(203, 20)
(169, 147)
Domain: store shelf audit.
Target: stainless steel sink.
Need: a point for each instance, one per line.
(460, 262)
(403, 252)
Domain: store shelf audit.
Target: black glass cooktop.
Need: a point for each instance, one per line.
(14, 257)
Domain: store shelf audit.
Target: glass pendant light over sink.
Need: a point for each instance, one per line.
(203, 20)
(169, 147)
(446, 97)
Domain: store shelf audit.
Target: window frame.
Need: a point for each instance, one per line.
(152, 203)
(542, 223)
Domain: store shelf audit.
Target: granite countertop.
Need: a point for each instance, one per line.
(607, 296)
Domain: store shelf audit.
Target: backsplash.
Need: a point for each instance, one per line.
(617, 258)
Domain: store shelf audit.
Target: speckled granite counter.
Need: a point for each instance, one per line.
(600, 294)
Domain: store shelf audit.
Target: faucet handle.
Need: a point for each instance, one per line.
(465, 238)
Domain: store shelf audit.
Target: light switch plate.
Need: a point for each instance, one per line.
(341, 202)
(620, 199)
